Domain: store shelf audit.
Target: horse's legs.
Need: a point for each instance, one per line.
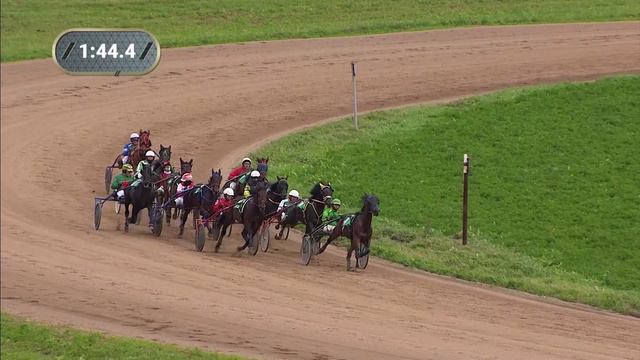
(150, 213)
(183, 220)
(126, 217)
(349, 258)
(220, 236)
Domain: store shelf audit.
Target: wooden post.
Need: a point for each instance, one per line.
(355, 99)
(465, 196)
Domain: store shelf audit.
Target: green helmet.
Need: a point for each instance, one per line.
(336, 202)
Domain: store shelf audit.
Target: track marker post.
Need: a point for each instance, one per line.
(466, 171)
(355, 99)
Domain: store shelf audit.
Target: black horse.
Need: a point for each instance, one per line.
(251, 216)
(321, 195)
(359, 229)
(277, 192)
(201, 198)
(141, 196)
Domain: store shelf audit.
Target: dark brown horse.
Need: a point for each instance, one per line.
(185, 167)
(200, 199)
(144, 144)
(359, 229)
(250, 217)
(320, 197)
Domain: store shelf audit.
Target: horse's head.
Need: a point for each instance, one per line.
(215, 180)
(165, 153)
(259, 191)
(370, 204)
(281, 186)
(185, 166)
(263, 166)
(147, 174)
(145, 141)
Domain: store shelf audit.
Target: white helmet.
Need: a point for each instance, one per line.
(246, 159)
(134, 136)
(255, 174)
(294, 193)
(150, 153)
(228, 191)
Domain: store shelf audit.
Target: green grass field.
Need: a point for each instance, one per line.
(29, 27)
(554, 189)
(22, 340)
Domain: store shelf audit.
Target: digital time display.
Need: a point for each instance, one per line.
(106, 52)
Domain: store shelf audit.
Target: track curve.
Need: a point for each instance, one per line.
(212, 104)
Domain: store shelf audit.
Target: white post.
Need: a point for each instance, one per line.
(355, 99)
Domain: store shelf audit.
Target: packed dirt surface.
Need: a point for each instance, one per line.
(213, 104)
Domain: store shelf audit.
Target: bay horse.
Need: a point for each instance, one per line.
(251, 217)
(141, 196)
(359, 230)
(321, 196)
(143, 144)
(201, 198)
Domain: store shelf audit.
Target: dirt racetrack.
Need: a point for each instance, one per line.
(214, 103)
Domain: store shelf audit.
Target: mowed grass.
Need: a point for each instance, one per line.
(30, 27)
(22, 340)
(554, 191)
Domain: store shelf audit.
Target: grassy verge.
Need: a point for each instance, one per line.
(26, 340)
(554, 186)
(29, 27)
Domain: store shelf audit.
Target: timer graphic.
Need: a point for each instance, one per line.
(106, 51)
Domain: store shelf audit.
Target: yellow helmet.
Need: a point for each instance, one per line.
(127, 167)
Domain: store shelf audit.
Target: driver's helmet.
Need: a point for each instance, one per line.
(228, 191)
(186, 177)
(255, 174)
(336, 203)
(166, 166)
(127, 168)
(245, 160)
(150, 153)
(294, 194)
(134, 136)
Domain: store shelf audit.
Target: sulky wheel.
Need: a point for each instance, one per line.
(200, 236)
(265, 238)
(362, 261)
(97, 215)
(252, 249)
(108, 175)
(305, 250)
(158, 214)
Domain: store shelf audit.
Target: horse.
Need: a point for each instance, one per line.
(277, 191)
(359, 231)
(320, 197)
(200, 199)
(251, 217)
(185, 167)
(143, 144)
(164, 154)
(141, 196)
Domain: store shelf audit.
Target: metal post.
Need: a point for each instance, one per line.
(355, 99)
(465, 196)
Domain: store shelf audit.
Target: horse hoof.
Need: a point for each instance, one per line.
(277, 226)
(216, 249)
(277, 237)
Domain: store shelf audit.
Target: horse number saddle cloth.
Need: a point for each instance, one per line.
(347, 223)
(241, 204)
